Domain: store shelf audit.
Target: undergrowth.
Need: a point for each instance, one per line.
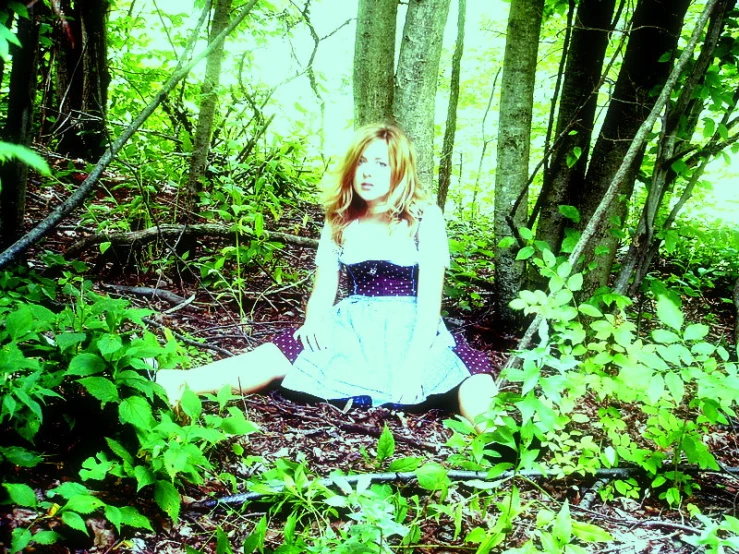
(658, 394)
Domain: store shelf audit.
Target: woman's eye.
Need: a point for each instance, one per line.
(382, 164)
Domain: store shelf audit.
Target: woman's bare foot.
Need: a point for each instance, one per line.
(173, 381)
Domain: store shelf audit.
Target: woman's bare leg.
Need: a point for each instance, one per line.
(475, 395)
(248, 372)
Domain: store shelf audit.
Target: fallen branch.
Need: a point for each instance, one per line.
(172, 231)
(411, 476)
(149, 292)
(88, 185)
(188, 340)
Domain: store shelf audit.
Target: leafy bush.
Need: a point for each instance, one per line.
(83, 372)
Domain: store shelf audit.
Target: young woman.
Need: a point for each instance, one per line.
(385, 343)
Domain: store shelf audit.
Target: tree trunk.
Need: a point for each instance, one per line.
(206, 116)
(417, 76)
(677, 133)
(82, 78)
(374, 61)
(17, 130)
(447, 149)
(576, 116)
(514, 135)
(655, 30)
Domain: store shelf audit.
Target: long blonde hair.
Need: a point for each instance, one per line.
(405, 196)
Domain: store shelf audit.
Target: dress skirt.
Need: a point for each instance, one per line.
(369, 337)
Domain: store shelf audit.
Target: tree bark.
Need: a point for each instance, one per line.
(82, 78)
(514, 135)
(88, 185)
(655, 30)
(676, 135)
(17, 129)
(417, 76)
(447, 149)
(637, 145)
(374, 61)
(576, 116)
(206, 116)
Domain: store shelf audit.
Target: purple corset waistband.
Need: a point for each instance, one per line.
(382, 278)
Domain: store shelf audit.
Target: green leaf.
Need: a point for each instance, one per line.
(386, 445)
(101, 388)
(676, 386)
(113, 515)
(86, 364)
(19, 323)
(46, 537)
(432, 476)
(167, 498)
(67, 340)
(75, 521)
(506, 242)
(695, 331)
(669, 313)
(223, 545)
(83, 504)
(590, 310)
(69, 490)
(574, 283)
(119, 450)
(191, 404)
(136, 411)
(410, 463)
(21, 494)
(255, 540)
(109, 344)
(663, 336)
(590, 533)
(21, 537)
(130, 516)
(525, 253)
(19, 456)
(570, 212)
(9, 151)
(237, 424)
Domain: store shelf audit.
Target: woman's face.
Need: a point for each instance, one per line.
(372, 176)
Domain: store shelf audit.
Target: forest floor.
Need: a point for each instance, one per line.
(331, 437)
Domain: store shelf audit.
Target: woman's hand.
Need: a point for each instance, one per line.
(313, 334)
(409, 385)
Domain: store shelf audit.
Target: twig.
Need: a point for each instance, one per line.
(188, 340)
(148, 292)
(151, 234)
(454, 475)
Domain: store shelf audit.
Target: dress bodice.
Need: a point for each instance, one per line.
(382, 278)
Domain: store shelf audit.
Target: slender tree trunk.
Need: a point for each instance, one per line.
(655, 30)
(447, 149)
(514, 135)
(676, 134)
(208, 103)
(374, 61)
(417, 76)
(576, 116)
(17, 129)
(82, 78)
